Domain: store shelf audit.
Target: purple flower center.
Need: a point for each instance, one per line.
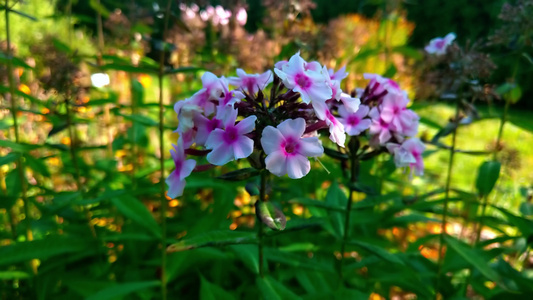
(290, 146)
(230, 135)
(353, 120)
(302, 80)
(440, 44)
(383, 124)
(213, 124)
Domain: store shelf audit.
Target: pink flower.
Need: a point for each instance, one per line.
(231, 142)
(351, 104)
(205, 126)
(280, 64)
(379, 128)
(335, 85)
(176, 179)
(287, 151)
(409, 153)
(380, 84)
(336, 129)
(339, 75)
(229, 97)
(241, 16)
(439, 45)
(392, 107)
(251, 83)
(213, 88)
(355, 123)
(186, 110)
(310, 84)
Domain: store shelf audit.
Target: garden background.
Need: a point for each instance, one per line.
(87, 89)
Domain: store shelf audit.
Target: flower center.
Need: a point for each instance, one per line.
(291, 146)
(353, 120)
(440, 44)
(302, 80)
(230, 135)
(213, 124)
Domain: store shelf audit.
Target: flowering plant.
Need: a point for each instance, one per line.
(282, 124)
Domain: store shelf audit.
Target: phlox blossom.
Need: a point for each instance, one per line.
(409, 154)
(251, 83)
(287, 151)
(231, 142)
(355, 123)
(184, 167)
(439, 45)
(379, 128)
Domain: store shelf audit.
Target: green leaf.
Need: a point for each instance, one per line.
(99, 8)
(272, 290)
(248, 255)
(147, 121)
(335, 154)
(9, 158)
(239, 175)
(336, 197)
(471, 257)
(137, 212)
(378, 251)
(123, 289)
(298, 261)
(24, 15)
(183, 70)
(209, 291)
(270, 215)
(10, 275)
(42, 249)
(408, 52)
(18, 147)
(488, 174)
(317, 203)
(15, 61)
(391, 71)
(37, 165)
(214, 238)
(137, 92)
(59, 45)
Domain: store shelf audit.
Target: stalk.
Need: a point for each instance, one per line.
(162, 160)
(447, 197)
(260, 228)
(20, 162)
(354, 173)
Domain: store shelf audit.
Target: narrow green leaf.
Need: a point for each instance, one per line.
(137, 212)
(123, 289)
(41, 249)
(9, 158)
(248, 255)
(24, 15)
(318, 203)
(470, 256)
(17, 62)
(18, 147)
(488, 174)
(99, 8)
(209, 291)
(336, 197)
(272, 290)
(10, 275)
(378, 251)
(270, 215)
(213, 238)
(408, 52)
(239, 175)
(183, 70)
(37, 165)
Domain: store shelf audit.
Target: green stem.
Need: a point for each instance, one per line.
(260, 228)
(354, 173)
(162, 160)
(20, 162)
(447, 197)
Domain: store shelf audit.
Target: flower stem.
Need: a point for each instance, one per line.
(162, 160)
(20, 162)
(260, 227)
(447, 197)
(354, 173)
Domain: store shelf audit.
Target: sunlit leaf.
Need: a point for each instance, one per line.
(123, 289)
(137, 212)
(488, 174)
(11, 275)
(378, 251)
(213, 238)
(270, 215)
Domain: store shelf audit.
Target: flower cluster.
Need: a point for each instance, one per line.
(439, 45)
(280, 115)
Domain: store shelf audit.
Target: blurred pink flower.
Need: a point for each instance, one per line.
(176, 179)
(231, 142)
(241, 16)
(339, 75)
(409, 153)
(355, 123)
(336, 129)
(380, 84)
(287, 151)
(251, 83)
(229, 97)
(379, 128)
(439, 45)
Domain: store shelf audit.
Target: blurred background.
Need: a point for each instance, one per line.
(80, 152)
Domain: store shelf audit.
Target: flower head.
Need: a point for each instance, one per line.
(409, 154)
(231, 142)
(355, 123)
(439, 45)
(251, 83)
(287, 151)
(176, 179)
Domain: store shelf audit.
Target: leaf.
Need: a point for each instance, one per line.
(42, 249)
(59, 45)
(248, 255)
(239, 175)
(18, 147)
(137, 92)
(9, 158)
(298, 261)
(471, 257)
(137, 212)
(11, 275)
(147, 121)
(318, 203)
(270, 289)
(123, 289)
(37, 165)
(99, 8)
(19, 13)
(270, 215)
(488, 174)
(408, 52)
(213, 238)
(183, 70)
(378, 251)
(15, 61)
(336, 197)
(335, 154)
(391, 71)
(209, 291)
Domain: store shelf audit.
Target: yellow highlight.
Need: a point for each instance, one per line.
(173, 203)
(65, 141)
(25, 89)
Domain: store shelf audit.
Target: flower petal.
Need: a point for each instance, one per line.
(175, 185)
(220, 156)
(243, 147)
(247, 125)
(292, 128)
(271, 139)
(311, 146)
(186, 168)
(276, 163)
(298, 166)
